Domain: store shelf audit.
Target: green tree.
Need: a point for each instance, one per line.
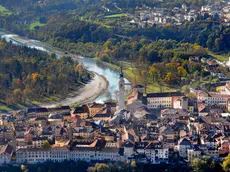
(46, 144)
(24, 168)
(205, 164)
(53, 55)
(99, 167)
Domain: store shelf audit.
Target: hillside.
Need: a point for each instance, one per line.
(27, 75)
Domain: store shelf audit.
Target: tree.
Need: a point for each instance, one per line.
(181, 71)
(34, 77)
(196, 75)
(168, 78)
(226, 164)
(53, 55)
(171, 67)
(133, 166)
(24, 168)
(153, 72)
(18, 94)
(27, 92)
(46, 144)
(205, 164)
(145, 78)
(18, 83)
(99, 167)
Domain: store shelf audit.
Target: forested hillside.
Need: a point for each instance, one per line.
(31, 74)
(80, 27)
(104, 30)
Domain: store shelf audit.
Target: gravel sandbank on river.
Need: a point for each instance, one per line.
(96, 87)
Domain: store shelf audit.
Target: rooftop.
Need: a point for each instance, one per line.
(166, 94)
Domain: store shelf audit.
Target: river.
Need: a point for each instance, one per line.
(111, 75)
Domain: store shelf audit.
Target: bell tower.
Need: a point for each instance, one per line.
(121, 99)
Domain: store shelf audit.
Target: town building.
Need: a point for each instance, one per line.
(183, 145)
(166, 100)
(82, 111)
(6, 153)
(194, 153)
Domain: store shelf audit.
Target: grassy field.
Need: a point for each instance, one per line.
(97, 22)
(155, 87)
(4, 11)
(219, 57)
(132, 76)
(116, 15)
(35, 24)
(4, 108)
(151, 87)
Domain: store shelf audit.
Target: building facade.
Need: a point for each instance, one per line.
(166, 100)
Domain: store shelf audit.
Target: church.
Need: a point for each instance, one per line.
(121, 93)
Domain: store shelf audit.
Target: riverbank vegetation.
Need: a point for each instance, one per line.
(28, 74)
(4, 11)
(203, 164)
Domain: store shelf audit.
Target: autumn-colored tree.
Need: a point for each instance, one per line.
(108, 44)
(226, 164)
(24, 168)
(32, 73)
(181, 71)
(99, 167)
(34, 77)
(27, 92)
(18, 94)
(153, 72)
(18, 83)
(168, 78)
(171, 67)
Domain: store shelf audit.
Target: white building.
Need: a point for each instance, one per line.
(39, 155)
(38, 142)
(206, 8)
(166, 100)
(212, 98)
(60, 154)
(209, 142)
(183, 146)
(33, 155)
(6, 153)
(128, 149)
(89, 154)
(154, 152)
(193, 153)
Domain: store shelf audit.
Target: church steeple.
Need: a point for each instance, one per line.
(121, 99)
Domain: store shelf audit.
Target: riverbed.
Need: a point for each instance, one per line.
(103, 86)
